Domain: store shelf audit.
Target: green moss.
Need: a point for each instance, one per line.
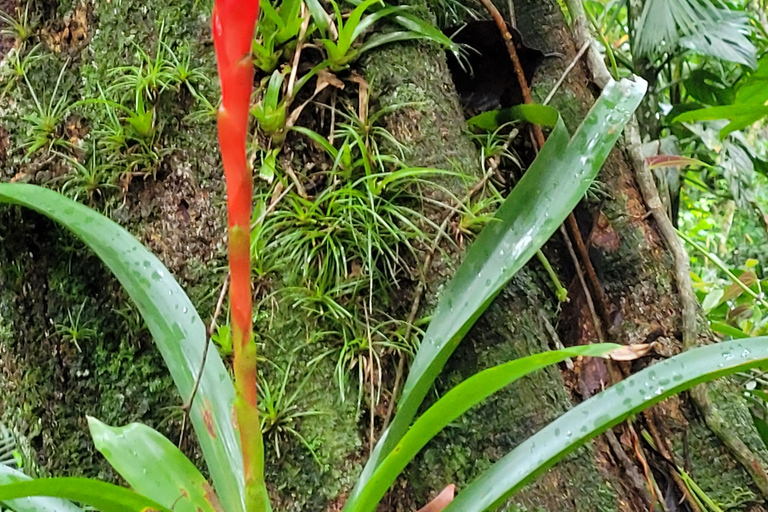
(117, 376)
(49, 386)
(432, 127)
(328, 426)
(714, 471)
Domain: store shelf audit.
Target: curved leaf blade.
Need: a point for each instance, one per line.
(32, 504)
(558, 179)
(154, 467)
(724, 112)
(101, 495)
(176, 327)
(536, 114)
(453, 404)
(596, 415)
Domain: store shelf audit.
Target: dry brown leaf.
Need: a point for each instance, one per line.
(362, 96)
(441, 501)
(630, 352)
(734, 291)
(324, 79)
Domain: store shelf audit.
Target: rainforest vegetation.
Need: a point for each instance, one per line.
(381, 255)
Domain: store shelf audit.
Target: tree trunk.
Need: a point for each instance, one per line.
(47, 280)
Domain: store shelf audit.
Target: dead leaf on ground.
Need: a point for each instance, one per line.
(630, 352)
(362, 96)
(441, 501)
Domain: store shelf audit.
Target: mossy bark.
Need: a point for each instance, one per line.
(49, 384)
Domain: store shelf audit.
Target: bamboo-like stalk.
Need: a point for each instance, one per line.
(233, 26)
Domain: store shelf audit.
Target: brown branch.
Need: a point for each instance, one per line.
(539, 141)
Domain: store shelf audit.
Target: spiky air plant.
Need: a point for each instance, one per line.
(234, 22)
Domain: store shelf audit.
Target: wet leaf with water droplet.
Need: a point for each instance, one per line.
(152, 465)
(604, 410)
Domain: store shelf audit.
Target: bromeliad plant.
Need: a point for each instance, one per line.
(163, 479)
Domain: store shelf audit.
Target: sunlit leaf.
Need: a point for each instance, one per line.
(754, 88)
(727, 329)
(535, 114)
(740, 115)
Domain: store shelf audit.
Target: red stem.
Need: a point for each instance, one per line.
(233, 26)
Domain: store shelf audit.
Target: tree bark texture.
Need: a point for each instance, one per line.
(48, 384)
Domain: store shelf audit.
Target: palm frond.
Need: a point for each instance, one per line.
(707, 27)
(8, 447)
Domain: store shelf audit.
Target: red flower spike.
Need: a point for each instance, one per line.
(233, 26)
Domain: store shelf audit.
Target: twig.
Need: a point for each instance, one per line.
(661, 447)
(297, 53)
(580, 274)
(208, 334)
(567, 71)
(597, 288)
(644, 463)
(631, 470)
(700, 394)
(722, 266)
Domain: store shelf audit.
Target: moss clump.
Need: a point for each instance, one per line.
(50, 384)
(49, 279)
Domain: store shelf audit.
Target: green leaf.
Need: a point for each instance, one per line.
(706, 87)
(535, 114)
(754, 89)
(390, 37)
(540, 202)
(712, 300)
(154, 467)
(268, 165)
(723, 112)
(414, 23)
(34, 504)
(176, 328)
(372, 18)
(455, 403)
(596, 415)
(727, 329)
(318, 139)
(741, 116)
(762, 428)
(101, 495)
(347, 30)
(318, 14)
(698, 25)
(428, 30)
